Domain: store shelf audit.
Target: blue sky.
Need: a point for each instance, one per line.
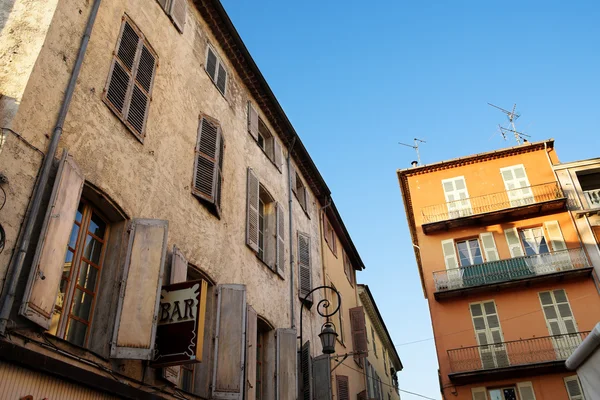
(356, 78)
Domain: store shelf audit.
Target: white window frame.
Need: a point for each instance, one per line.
(457, 207)
(566, 343)
(517, 197)
(576, 379)
(492, 349)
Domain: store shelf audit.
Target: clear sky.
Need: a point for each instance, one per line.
(357, 77)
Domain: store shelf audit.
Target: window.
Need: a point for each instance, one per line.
(348, 270)
(300, 190)
(304, 265)
(509, 393)
(533, 241)
(77, 291)
(330, 236)
(573, 387)
(374, 342)
(340, 315)
(487, 330)
(177, 10)
(343, 388)
(558, 313)
(264, 138)
(128, 91)
(186, 381)
(208, 164)
(263, 329)
(517, 185)
(216, 70)
(589, 181)
(385, 369)
(457, 197)
(469, 252)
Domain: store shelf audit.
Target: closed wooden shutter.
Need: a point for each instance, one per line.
(574, 388)
(457, 197)
(486, 323)
(479, 393)
(305, 373)
(178, 13)
(135, 327)
(304, 264)
(252, 121)
(517, 185)
(526, 391)
(207, 165)
(211, 63)
(514, 243)
(348, 269)
(558, 313)
(252, 196)
(251, 349)
(277, 154)
(489, 246)
(222, 78)
(555, 235)
(359, 333)
(230, 342)
(449, 254)
(120, 77)
(343, 389)
(48, 262)
(293, 178)
(322, 377)
(286, 364)
(280, 226)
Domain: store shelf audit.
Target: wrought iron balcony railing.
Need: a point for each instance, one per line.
(492, 202)
(592, 197)
(511, 269)
(515, 353)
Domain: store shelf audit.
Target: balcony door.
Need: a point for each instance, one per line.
(486, 323)
(457, 197)
(517, 185)
(560, 322)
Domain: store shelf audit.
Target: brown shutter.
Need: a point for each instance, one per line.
(343, 391)
(230, 342)
(119, 82)
(137, 308)
(286, 364)
(252, 196)
(304, 264)
(48, 262)
(293, 178)
(172, 374)
(305, 373)
(142, 91)
(219, 173)
(362, 395)
(251, 342)
(178, 12)
(206, 171)
(322, 377)
(280, 227)
(277, 154)
(222, 78)
(252, 121)
(359, 333)
(211, 63)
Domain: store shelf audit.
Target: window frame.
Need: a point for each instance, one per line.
(168, 10)
(576, 379)
(471, 257)
(219, 62)
(330, 237)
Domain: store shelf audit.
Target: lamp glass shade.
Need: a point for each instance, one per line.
(328, 336)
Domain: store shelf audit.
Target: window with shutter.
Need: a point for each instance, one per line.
(178, 11)
(486, 323)
(517, 185)
(489, 246)
(457, 197)
(280, 240)
(253, 369)
(514, 244)
(526, 391)
(359, 334)
(128, 90)
(560, 322)
(573, 387)
(286, 364)
(304, 265)
(216, 70)
(330, 237)
(322, 377)
(305, 374)
(348, 269)
(252, 211)
(374, 341)
(208, 165)
(479, 393)
(555, 235)
(343, 387)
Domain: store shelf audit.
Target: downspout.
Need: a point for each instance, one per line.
(321, 221)
(290, 203)
(16, 265)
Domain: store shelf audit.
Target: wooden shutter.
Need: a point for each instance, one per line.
(555, 235)
(178, 13)
(574, 388)
(293, 183)
(479, 393)
(558, 313)
(206, 169)
(219, 173)
(286, 364)
(251, 343)
(277, 154)
(343, 390)
(526, 391)
(211, 63)
(359, 333)
(305, 373)
(172, 374)
(252, 121)
(252, 197)
(322, 377)
(489, 246)
(135, 327)
(486, 323)
(449, 254)
(222, 78)
(49, 259)
(304, 264)
(119, 78)
(230, 342)
(179, 266)
(280, 227)
(514, 243)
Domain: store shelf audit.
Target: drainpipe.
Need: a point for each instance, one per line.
(321, 220)
(16, 265)
(290, 203)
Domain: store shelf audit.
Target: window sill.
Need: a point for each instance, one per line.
(211, 207)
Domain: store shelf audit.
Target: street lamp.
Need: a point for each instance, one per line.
(328, 336)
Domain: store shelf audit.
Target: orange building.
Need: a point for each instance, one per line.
(510, 287)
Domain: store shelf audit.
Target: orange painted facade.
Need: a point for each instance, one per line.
(536, 259)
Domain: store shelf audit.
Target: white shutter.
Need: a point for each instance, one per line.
(526, 391)
(457, 197)
(251, 349)
(514, 243)
(574, 388)
(517, 185)
(489, 246)
(252, 121)
(479, 393)
(558, 313)
(286, 364)
(178, 13)
(230, 342)
(449, 254)
(139, 297)
(49, 259)
(304, 264)
(252, 227)
(277, 154)
(486, 324)
(555, 235)
(280, 238)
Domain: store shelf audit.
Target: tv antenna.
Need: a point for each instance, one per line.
(512, 117)
(416, 147)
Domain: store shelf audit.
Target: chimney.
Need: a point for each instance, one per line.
(414, 164)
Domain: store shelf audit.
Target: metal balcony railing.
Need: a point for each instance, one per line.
(492, 202)
(515, 353)
(592, 197)
(511, 269)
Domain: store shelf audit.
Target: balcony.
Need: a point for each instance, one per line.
(493, 208)
(505, 360)
(514, 272)
(592, 197)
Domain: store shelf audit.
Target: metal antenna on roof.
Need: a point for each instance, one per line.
(512, 117)
(416, 147)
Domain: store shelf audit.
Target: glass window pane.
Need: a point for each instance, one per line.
(93, 249)
(97, 226)
(87, 276)
(76, 332)
(475, 251)
(495, 394)
(460, 184)
(489, 307)
(79, 214)
(463, 254)
(68, 264)
(448, 187)
(82, 305)
(74, 234)
(476, 309)
(570, 325)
